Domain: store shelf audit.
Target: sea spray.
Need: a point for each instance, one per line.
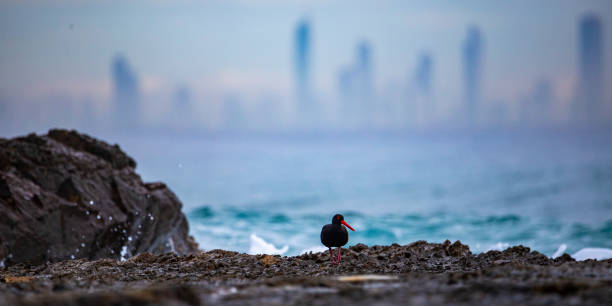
(560, 250)
(593, 253)
(232, 228)
(260, 246)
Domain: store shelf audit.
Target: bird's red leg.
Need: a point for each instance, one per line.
(339, 256)
(331, 255)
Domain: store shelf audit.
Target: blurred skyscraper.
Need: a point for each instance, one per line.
(234, 113)
(472, 72)
(125, 93)
(356, 88)
(182, 112)
(302, 67)
(346, 84)
(364, 71)
(421, 97)
(423, 73)
(182, 98)
(536, 107)
(590, 102)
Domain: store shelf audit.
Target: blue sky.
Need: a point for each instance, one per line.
(220, 47)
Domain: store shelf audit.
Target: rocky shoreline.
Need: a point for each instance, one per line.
(73, 210)
(418, 273)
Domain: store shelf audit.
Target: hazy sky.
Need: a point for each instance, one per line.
(214, 47)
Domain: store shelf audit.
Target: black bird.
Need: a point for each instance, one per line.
(335, 235)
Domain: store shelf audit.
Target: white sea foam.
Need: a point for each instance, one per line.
(500, 246)
(585, 253)
(560, 250)
(397, 232)
(260, 246)
(314, 249)
(171, 244)
(593, 253)
(124, 253)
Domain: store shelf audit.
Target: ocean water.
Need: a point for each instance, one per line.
(274, 193)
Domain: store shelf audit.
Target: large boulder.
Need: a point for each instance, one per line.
(66, 195)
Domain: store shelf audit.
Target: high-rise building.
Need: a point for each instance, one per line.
(420, 100)
(363, 68)
(346, 84)
(423, 74)
(356, 88)
(536, 107)
(302, 63)
(590, 102)
(472, 72)
(182, 113)
(125, 92)
(182, 98)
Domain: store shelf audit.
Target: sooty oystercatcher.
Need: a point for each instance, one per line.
(335, 235)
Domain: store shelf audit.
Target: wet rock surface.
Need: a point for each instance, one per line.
(418, 273)
(67, 195)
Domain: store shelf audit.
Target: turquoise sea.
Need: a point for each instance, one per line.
(273, 193)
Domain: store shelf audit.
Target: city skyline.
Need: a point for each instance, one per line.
(415, 92)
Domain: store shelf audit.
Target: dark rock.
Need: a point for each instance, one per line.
(80, 142)
(564, 258)
(5, 190)
(67, 195)
(457, 249)
(379, 275)
(359, 247)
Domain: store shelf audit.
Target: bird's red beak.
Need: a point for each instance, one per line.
(346, 224)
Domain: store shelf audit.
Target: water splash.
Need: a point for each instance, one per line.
(560, 250)
(314, 249)
(260, 246)
(500, 246)
(593, 253)
(171, 244)
(124, 253)
(230, 228)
